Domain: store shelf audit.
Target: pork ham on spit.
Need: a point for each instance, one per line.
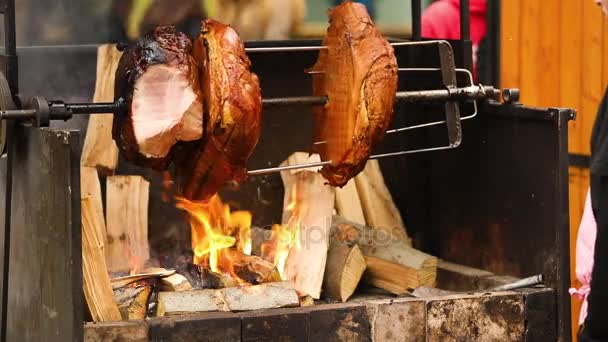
(233, 106)
(159, 79)
(358, 73)
(202, 93)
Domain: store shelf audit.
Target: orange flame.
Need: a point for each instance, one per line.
(214, 230)
(285, 237)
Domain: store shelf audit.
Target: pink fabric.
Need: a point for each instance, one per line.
(585, 244)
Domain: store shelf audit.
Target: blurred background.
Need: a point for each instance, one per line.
(94, 21)
(556, 52)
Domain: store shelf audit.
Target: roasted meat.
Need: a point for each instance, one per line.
(233, 105)
(358, 73)
(158, 78)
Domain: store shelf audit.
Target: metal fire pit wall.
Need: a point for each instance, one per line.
(499, 202)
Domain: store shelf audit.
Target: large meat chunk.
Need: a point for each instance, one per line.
(159, 79)
(358, 73)
(233, 105)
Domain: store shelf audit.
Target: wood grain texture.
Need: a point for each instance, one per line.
(510, 58)
(91, 187)
(348, 203)
(378, 207)
(127, 222)
(96, 282)
(46, 235)
(559, 45)
(99, 148)
(314, 200)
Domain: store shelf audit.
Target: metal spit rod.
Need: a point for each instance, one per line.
(455, 94)
(384, 155)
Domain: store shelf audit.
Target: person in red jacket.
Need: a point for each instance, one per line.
(441, 20)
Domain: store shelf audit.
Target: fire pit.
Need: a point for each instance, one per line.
(480, 217)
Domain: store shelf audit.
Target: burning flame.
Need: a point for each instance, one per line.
(214, 230)
(221, 239)
(285, 237)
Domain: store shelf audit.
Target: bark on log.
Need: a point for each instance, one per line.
(127, 223)
(313, 201)
(256, 297)
(99, 149)
(96, 282)
(119, 282)
(133, 301)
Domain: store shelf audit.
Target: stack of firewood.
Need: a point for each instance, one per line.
(349, 235)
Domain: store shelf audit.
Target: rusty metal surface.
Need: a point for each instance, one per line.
(45, 277)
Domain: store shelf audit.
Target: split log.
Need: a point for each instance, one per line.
(313, 201)
(253, 269)
(127, 222)
(421, 268)
(96, 282)
(133, 301)
(378, 206)
(389, 276)
(90, 186)
(176, 282)
(179, 303)
(99, 149)
(245, 298)
(119, 282)
(213, 280)
(258, 297)
(343, 271)
(348, 203)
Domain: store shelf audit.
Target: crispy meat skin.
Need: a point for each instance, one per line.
(360, 80)
(164, 49)
(233, 105)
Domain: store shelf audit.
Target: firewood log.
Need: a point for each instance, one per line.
(90, 186)
(348, 203)
(258, 297)
(245, 298)
(253, 269)
(378, 207)
(414, 267)
(127, 222)
(313, 201)
(176, 282)
(344, 268)
(133, 301)
(96, 282)
(119, 282)
(99, 149)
